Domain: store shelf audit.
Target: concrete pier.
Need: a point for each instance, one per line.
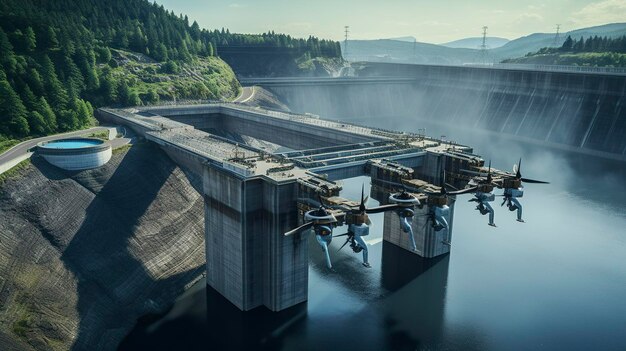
(249, 261)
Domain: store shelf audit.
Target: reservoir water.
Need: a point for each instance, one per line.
(556, 282)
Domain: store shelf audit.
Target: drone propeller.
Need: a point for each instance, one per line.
(363, 199)
(305, 226)
(344, 244)
(518, 174)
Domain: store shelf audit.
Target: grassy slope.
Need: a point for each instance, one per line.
(205, 78)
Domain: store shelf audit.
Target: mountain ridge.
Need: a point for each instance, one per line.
(387, 50)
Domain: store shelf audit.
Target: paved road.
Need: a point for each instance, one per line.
(246, 94)
(23, 147)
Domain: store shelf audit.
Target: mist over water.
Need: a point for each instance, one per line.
(556, 282)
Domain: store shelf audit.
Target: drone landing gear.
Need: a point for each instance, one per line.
(521, 220)
(367, 265)
(492, 225)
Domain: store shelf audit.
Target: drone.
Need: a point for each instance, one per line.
(324, 219)
(483, 185)
(483, 195)
(437, 199)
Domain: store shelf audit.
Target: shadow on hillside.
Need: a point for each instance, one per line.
(113, 286)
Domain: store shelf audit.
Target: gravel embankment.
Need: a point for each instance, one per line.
(84, 254)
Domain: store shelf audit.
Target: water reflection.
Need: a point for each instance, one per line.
(556, 282)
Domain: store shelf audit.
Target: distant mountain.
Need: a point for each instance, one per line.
(476, 42)
(399, 50)
(387, 50)
(531, 43)
(408, 38)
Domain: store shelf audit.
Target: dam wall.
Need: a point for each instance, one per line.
(583, 112)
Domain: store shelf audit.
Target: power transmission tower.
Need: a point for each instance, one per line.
(483, 46)
(345, 41)
(556, 36)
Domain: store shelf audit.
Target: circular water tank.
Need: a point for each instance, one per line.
(75, 153)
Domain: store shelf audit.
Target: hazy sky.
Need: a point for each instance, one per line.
(428, 21)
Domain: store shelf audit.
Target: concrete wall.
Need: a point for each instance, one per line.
(292, 134)
(428, 242)
(249, 261)
(573, 111)
(79, 161)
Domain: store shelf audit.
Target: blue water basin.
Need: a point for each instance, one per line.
(71, 144)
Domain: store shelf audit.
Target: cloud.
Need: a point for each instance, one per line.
(435, 23)
(600, 12)
(236, 6)
(536, 7)
(528, 17)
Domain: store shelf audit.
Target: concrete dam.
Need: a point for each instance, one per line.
(253, 197)
(579, 111)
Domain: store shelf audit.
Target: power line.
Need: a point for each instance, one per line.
(345, 42)
(483, 46)
(556, 36)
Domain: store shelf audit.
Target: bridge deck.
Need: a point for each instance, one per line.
(158, 124)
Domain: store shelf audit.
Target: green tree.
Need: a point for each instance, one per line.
(123, 93)
(160, 53)
(30, 39)
(12, 112)
(170, 67)
(133, 99)
(50, 39)
(74, 77)
(567, 44)
(108, 89)
(152, 96)
(37, 123)
(34, 81)
(48, 115)
(68, 120)
(55, 92)
(7, 56)
(82, 111)
(103, 54)
(29, 99)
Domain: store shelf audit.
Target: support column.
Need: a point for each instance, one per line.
(428, 242)
(249, 261)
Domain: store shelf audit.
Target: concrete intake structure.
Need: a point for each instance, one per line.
(253, 196)
(75, 154)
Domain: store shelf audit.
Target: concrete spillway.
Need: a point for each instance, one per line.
(584, 112)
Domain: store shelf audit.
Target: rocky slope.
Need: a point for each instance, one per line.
(84, 254)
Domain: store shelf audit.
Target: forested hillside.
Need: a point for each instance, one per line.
(593, 51)
(61, 58)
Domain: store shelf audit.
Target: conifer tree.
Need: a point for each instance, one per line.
(12, 112)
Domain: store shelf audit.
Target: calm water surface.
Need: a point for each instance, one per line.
(556, 282)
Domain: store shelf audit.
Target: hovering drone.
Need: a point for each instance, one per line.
(324, 219)
(483, 195)
(511, 183)
(438, 201)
